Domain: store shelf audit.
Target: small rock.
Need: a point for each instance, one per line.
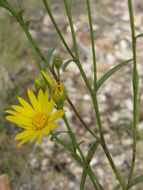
(73, 186)
(4, 182)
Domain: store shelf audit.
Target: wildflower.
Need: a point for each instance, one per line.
(36, 120)
(58, 91)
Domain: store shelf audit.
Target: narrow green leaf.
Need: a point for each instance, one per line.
(111, 72)
(139, 35)
(58, 133)
(27, 23)
(136, 181)
(59, 141)
(89, 157)
(48, 58)
(77, 145)
(66, 64)
(20, 14)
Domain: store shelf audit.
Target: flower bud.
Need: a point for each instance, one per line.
(57, 60)
(58, 92)
(39, 83)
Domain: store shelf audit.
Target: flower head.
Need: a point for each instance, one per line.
(36, 119)
(58, 91)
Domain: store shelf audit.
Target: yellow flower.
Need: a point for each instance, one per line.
(58, 91)
(36, 120)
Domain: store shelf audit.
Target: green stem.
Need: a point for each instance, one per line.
(103, 144)
(92, 41)
(135, 89)
(70, 131)
(81, 120)
(57, 28)
(76, 48)
(72, 29)
(94, 99)
(74, 141)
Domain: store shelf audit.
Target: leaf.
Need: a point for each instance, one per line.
(89, 157)
(139, 35)
(48, 58)
(20, 14)
(58, 133)
(77, 145)
(135, 181)
(66, 64)
(27, 23)
(111, 72)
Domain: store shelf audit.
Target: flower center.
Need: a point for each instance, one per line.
(39, 121)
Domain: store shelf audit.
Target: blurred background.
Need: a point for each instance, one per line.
(49, 166)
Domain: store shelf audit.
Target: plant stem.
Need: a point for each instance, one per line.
(90, 172)
(103, 144)
(135, 89)
(92, 41)
(81, 120)
(57, 28)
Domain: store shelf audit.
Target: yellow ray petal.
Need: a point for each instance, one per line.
(45, 101)
(33, 99)
(50, 107)
(46, 76)
(23, 110)
(19, 122)
(24, 134)
(41, 100)
(22, 142)
(11, 112)
(33, 137)
(40, 137)
(56, 115)
(25, 104)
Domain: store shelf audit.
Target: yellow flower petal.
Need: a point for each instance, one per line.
(40, 137)
(25, 104)
(50, 107)
(22, 142)
(19, 121)
(33, 137)
(46, 76)
(23, 110)
(56, 115)
(33, 99)
(41, 100)
(24, 134)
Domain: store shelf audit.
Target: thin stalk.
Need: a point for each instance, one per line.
(76, 47)
(90, 172)
(94, 99)
(81, 120)
(57, 28)
(135, 89)
(72, 29)
(104, 146)
(92, 41)
(70, 131)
